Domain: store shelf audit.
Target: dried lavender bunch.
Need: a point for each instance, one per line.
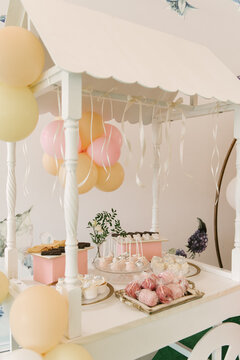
(197, 243)
(180, 252)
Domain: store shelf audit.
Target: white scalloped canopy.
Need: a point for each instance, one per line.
(82, 40)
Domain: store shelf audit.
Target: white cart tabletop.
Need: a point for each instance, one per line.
(112, 328)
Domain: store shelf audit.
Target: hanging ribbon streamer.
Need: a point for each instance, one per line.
(27, 171)
(106, 143)
(125, 139)
(181, 146)
(142, 146)
(215, 154)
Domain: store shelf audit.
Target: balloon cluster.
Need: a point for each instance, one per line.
(38, 320)
(99, 150)
(21, 63)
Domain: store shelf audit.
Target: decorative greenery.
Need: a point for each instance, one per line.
(21, 227)
(103, 224)
(196, 244)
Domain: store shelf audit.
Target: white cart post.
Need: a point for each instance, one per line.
(11, 257)
(71, 113)
(236, 250)
(156, 179)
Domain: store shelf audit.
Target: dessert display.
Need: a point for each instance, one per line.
(49, 260)
(152, 293)
(147, 241)
(153, 289)
(175, 263)
(93, 286)
(124, 263)
(53, 249)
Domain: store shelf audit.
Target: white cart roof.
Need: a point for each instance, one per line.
(86, 41)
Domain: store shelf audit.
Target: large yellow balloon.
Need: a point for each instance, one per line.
(68, 352)
(18, 113)
(39, 318)
(85, 128)
(110, 180)
(4, 287)
(83, 167)
(22, 56)
(51, 165)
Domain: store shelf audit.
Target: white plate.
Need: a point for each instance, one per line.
(101, 297)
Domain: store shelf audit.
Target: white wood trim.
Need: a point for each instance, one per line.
(11, 256)
(71, 113)
(52, 78)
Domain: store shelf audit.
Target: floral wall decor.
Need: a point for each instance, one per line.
(180, 6)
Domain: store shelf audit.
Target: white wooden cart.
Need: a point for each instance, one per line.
(114, 59)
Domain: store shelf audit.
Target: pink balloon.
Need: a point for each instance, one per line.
(52, 139)
(114, 134)
(100, 151)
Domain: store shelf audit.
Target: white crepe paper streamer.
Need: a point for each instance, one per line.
(181, 146)
(106, 143)
(27, 170)
(215, 162)
(142, 147)
(127, 143)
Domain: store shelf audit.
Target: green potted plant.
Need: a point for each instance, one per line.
(104, 224)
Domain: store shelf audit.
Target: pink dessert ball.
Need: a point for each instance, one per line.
(164, 294)
(184, 284)
(132, 288)
(177, 290)
(149, 283)
(166, 277)
(148, 297)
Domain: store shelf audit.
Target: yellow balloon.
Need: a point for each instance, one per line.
(68, 352)
(110, 180)
(18, 113)
(39, 318)
(4, 287)
(51, 165)
(22, 56)
(85, 128)
(83, 167)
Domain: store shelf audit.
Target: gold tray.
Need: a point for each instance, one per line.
(192, 294)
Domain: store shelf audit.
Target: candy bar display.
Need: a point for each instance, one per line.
(49, 260)
(115, 260)
(151, 243)
(174, 263)
(152, 293)
(153, 289)
(56, 248)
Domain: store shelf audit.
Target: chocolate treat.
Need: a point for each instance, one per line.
(62, 248)
(82, 245)
(51, 252)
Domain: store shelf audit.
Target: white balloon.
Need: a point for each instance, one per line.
(230, 193)
(23, 354)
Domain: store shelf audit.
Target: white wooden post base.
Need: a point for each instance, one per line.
(71, 113)
(11, 254)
